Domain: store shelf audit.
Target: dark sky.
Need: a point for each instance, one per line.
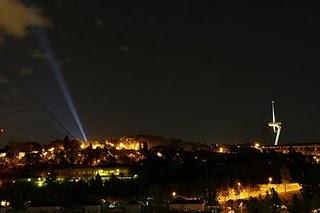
(186, 70)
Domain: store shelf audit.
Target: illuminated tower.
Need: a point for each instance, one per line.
(276, 125)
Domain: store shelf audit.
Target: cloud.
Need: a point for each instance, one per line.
(26, 71)
(3, 80)
(15, 18)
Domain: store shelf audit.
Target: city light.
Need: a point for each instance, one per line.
(129, 145)
(40, 183)
(51, 149)
(4, 203)
(109, 144)
(261, 189)
(123, 152)
(84, 145)
(177, 100)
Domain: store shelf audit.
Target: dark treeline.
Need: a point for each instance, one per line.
(92, 192)
(23, 194)
(271, 203)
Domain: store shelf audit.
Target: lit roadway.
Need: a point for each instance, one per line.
(246, 193)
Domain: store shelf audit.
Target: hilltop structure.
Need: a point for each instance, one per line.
(276, 125)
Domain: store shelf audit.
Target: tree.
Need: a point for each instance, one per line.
(265, 204)
(296, 205)
(237, 188)
(286, 177)
(96, 184)
(307, 194)
(275, 201)
(224, 192)
(315, 202)
(253, 205)
(66, 139)
(71, 145)
(159, 198)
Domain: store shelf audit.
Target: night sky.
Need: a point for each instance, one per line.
(175, 69)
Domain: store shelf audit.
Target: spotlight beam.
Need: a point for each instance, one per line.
(45, 44)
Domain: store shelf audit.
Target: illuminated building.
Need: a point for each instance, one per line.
(222, 149)
(21, 155)
(4, 203)
(91, 172)
(96, 145)
(128, 144)
(84, 145)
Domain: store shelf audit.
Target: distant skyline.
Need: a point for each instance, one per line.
(179, 70)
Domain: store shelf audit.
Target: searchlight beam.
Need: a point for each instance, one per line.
(45, 44)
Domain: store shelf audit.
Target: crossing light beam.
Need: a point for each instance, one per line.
(56, 72)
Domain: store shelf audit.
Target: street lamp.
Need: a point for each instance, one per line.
(270, 179)
(1, 135)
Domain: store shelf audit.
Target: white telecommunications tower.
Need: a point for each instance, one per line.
(276, 125)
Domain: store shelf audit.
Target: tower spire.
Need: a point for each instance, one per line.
(275, 125)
